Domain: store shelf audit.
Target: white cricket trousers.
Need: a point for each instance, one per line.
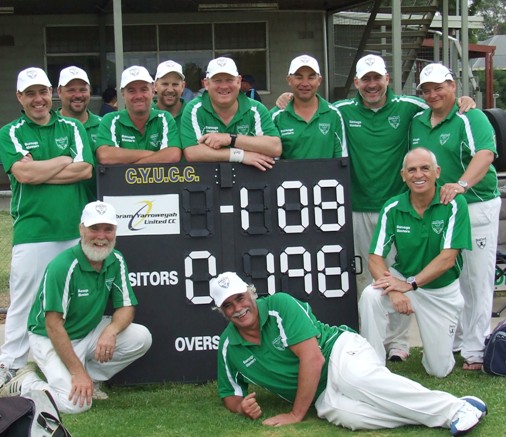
(437, 313)
(362, 393)
(131, 344)
(477, 280)
(364, 224)
(28, 264)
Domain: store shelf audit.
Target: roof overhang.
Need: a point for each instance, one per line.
(475, 50)
(59, 7)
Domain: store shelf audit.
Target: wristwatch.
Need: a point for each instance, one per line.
(233, 139)
(412, 281)
(463, 184)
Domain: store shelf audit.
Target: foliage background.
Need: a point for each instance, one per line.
(499, 86)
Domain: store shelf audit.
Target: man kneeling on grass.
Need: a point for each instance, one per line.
(277, 343)
(72, 342)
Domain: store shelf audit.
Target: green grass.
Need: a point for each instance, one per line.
(195, 410)
(5, 250)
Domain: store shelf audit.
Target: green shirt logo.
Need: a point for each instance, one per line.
(444, 138)
(62, 142)
(324, 128)
(108, 283)
(437, 226)
(154, 140)
(394, 121)
(243, 129)
(278, 343)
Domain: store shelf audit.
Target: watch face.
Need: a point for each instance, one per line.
(463, 184)
(410, 279)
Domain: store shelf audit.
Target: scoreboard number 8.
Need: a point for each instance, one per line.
(293, 217)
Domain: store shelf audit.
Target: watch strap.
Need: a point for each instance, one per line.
(233, 139)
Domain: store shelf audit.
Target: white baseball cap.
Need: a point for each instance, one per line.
(169, 67)
(32, 76)
(225, 285)
(304, 61)
(133, 73)
(71, 73)
(221, 65)
(370, 63)
(98, 212)
(434, 73)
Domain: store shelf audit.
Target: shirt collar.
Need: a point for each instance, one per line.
(125, 119)
(54, 115)
(243, 107)
(427, 114)
(406, 206)
(322, 108)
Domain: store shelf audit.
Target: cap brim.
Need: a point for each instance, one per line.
(221, 72)
(171, 71)
(382, 73)
(224, 298)
(89, 223)
(33, 84)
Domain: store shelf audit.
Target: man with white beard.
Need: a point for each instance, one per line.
(74, 344)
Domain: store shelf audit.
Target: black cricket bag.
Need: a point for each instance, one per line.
(32, 415)
(494, 356)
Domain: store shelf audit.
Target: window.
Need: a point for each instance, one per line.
(65, 46)
(192, 45)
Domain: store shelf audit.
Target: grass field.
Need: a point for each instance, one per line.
(5, 250)
(187, 410)
(195, 410)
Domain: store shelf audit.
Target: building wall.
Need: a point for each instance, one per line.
(289, 34)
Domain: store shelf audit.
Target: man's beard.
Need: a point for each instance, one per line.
(95, 253)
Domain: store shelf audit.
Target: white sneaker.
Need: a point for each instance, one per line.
(13, 386)
(6, 374)
(466, 418)
(98, 394)
(397, 355)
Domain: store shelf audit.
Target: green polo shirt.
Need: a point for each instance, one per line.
(45, 212)
(177, 118)
(377, 142)
(72, 287)
(321, 137)
(199, 118)
(91, 127)
(284, 321)
(455, 141)
(419, 240)
(118, 130)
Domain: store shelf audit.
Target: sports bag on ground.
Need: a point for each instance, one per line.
(494, 356)
(33, 415)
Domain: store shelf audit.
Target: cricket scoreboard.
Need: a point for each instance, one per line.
(287, 229)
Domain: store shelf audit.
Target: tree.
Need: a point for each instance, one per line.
(494, 17)
(499, 86)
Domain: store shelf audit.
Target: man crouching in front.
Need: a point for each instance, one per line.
(74, 344)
